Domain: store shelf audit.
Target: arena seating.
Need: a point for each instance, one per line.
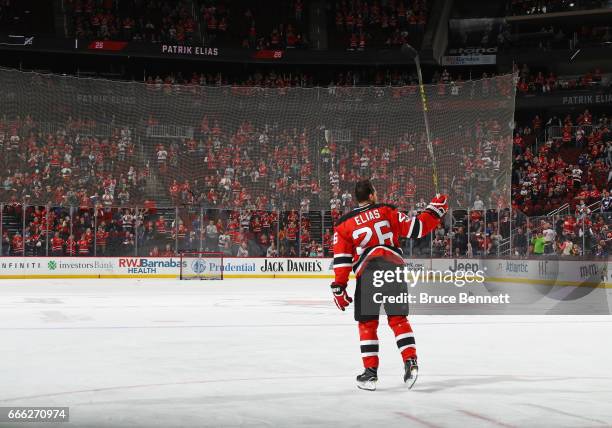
(218, 22)
(281, 78)
(158, 21)
(124, 198)
(363, 24)
(572, 164)
(545, 82)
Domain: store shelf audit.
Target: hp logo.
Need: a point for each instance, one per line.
(198, 266)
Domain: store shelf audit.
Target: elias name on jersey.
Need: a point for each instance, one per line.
(368, 215)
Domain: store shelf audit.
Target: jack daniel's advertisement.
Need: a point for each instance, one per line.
(292, 265)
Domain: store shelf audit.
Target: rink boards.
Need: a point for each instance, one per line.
(596, 273)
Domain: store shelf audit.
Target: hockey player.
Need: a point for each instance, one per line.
(365, 240)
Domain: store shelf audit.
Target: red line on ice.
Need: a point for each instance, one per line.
(486, 418)
(561, 412)
(419, 420)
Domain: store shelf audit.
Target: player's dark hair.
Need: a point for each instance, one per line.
(363, 190)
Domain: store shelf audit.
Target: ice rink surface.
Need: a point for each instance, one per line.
(278, 353)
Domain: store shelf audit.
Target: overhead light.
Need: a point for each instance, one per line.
(571, 4)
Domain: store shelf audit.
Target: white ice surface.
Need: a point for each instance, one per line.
(260, 353)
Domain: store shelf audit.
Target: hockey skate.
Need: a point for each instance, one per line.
(411, 372)
(367, 380)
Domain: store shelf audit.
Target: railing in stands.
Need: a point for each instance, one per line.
(562, 210)
(93, 130)
(595, 206)
(169, 131)
(556, 132)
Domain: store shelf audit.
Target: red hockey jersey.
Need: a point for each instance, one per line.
(374, 231)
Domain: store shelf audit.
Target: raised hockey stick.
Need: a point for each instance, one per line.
(414, 55)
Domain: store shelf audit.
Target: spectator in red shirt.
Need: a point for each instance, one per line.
(57, 245)
(168, 252)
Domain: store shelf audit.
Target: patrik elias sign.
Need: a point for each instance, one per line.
(189, 50)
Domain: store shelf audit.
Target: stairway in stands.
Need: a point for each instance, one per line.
(328, 223)
(315, 226)
(11, 223)
(156, 191)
